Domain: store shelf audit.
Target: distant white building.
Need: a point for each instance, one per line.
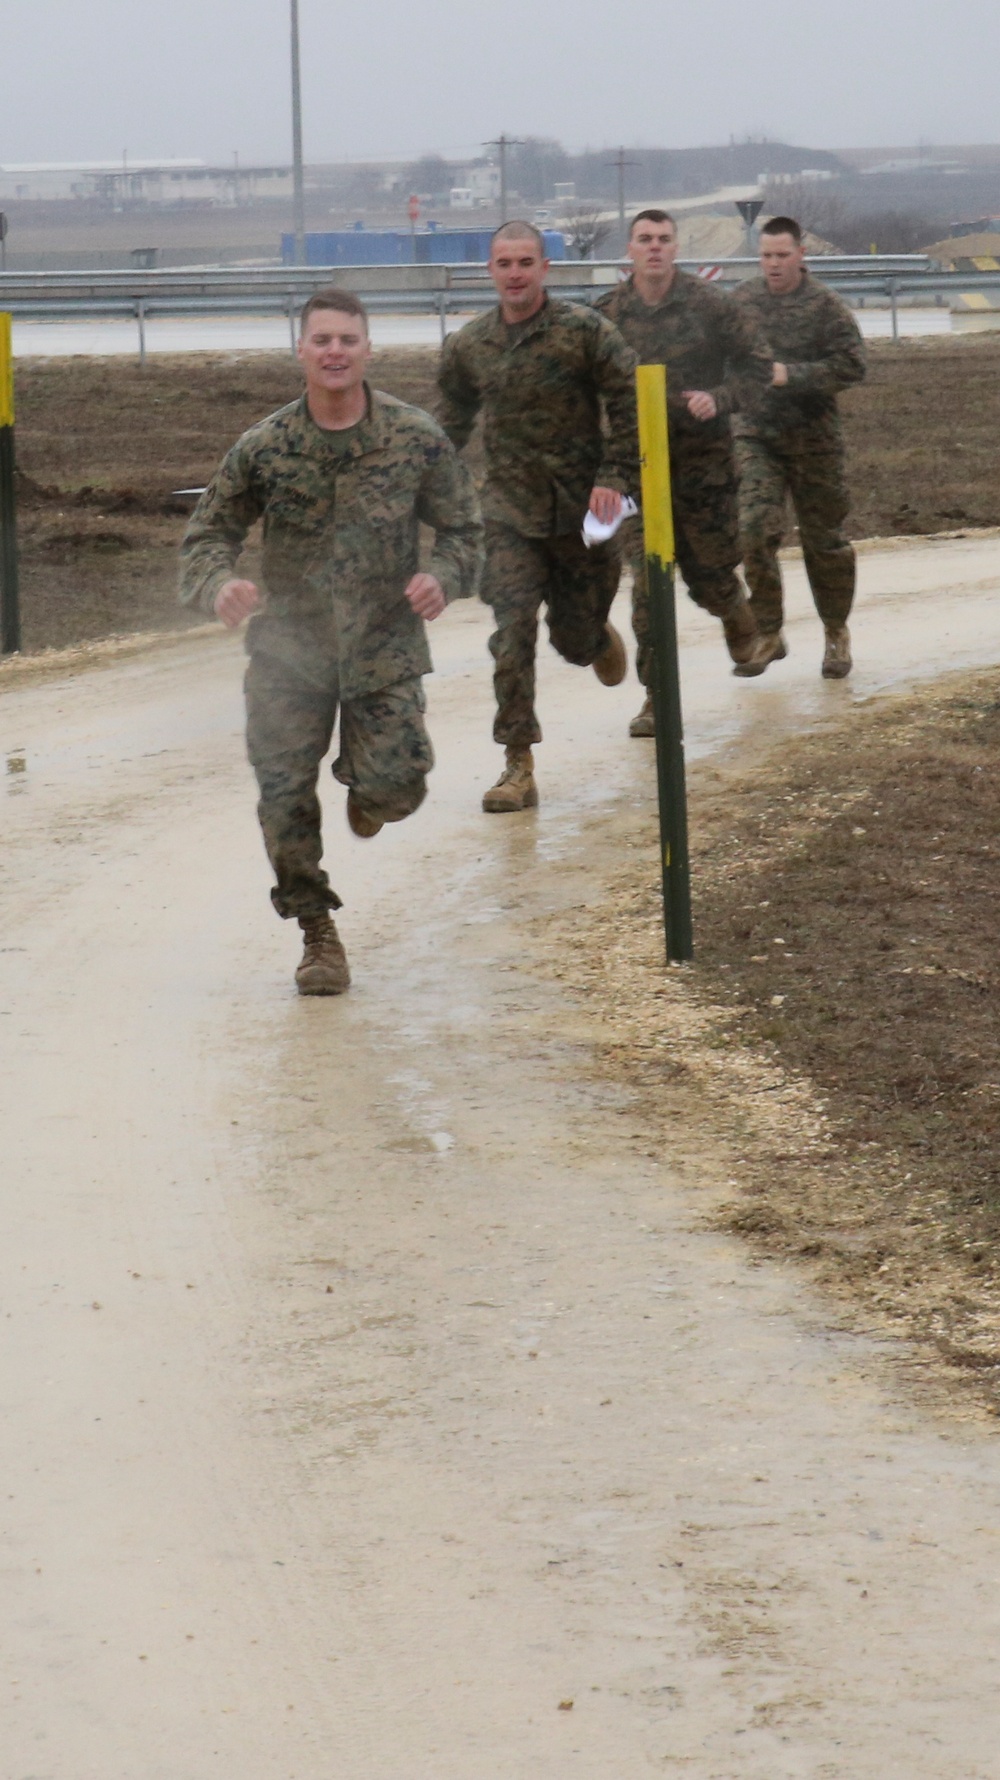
(141, 182)
(807, 175)
(484, 183)
(460, 198)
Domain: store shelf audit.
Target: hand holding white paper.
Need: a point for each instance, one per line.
(595, 531)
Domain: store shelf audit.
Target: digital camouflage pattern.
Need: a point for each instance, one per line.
(811, 470)
(341, 530)
(577, 585)
(813, 333)
(540, 385)
(708, 344)
(341, 515)
(704, 340)
(791, 444)
(292, 696)
(706, 542)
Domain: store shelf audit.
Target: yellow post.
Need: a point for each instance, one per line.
(658, 533)
(657, 511)
(6, 373)
(10, 613)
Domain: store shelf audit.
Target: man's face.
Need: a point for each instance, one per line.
(781, 261)
(334, 350)
(652, 247)
(518, 270)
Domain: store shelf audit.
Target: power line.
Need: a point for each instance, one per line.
(503, 143)
(298, 174)
(621, 163)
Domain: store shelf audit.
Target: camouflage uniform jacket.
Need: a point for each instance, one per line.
(540, 385)
(341, 530)
(812, 331)
(704, 341)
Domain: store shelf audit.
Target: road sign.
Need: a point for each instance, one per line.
(711, 273)
(749, 209)
(413, 207)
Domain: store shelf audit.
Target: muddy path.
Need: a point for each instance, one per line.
(376, 1403)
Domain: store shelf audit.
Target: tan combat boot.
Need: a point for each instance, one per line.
(362, 822)
(837, 662)
(765, 650)
(515, 789)
(611, 665)
(323, 970)
(644, 723)
(739, 627)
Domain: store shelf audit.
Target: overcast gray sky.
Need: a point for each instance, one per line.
(83, 79)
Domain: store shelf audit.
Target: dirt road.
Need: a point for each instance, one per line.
(376, 1407)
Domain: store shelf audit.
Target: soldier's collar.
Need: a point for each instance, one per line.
(368, 433)
(635, 296)
(541, 317)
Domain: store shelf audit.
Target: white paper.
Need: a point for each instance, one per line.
(596, 532)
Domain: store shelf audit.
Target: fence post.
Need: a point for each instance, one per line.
(658, 533)
(10, 606)
(140, 316)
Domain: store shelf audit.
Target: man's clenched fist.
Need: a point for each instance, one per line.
(235, 601)
(425, 596)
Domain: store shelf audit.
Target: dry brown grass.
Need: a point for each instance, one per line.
(840, 1021)
(102, 443)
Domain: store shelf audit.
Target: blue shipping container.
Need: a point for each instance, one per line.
(397, 247)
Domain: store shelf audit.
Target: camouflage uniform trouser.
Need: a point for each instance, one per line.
(292, 695)
(575, 584)
(706, 540)
(811, 470)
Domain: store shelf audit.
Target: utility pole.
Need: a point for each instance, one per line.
(621, 163)
(503, 143)
(298, 181)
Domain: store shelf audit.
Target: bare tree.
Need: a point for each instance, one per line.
(587, 231)
(815, 207)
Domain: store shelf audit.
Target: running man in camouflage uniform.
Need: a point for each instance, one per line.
(713, 356)
(791, 444)
(540, 371)
(342, 478)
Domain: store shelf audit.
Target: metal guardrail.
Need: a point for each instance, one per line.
(444, 290)
(141, 284)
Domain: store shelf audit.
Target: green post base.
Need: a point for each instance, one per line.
(10, 606)
(670, 774)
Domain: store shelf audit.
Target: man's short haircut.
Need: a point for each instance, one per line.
(518, 231)
(657, 216)
(782, 225)
(342, 300)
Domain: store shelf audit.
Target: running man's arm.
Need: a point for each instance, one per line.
(449, 504)
(841, 362)
(459, 397)
(613, 364)
(749, 359)
(215, 534)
